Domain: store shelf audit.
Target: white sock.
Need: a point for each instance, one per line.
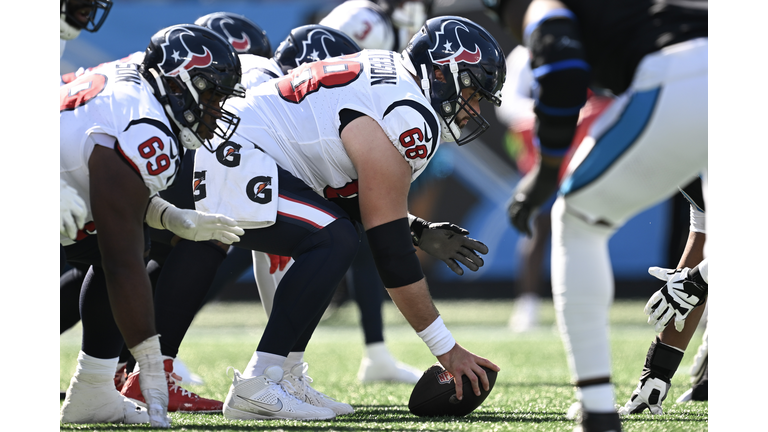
(260, 361)
(596, 398)
(294, 358)
(96, 366)
(378, 351)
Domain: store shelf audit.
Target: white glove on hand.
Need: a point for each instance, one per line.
(449, 243)
(192, 224)
(676, 299)
(154, 386)
(648, 394)
(73, 210)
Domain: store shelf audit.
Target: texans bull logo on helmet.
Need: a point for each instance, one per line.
(241, 43)
(449, 45)
(316, 43)
(178, 54)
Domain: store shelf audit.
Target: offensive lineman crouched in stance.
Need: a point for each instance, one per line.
(122, 130)
(337, 140)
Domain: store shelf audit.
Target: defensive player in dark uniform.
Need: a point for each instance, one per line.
(653, 56)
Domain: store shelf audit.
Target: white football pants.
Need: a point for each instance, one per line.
(652, 139)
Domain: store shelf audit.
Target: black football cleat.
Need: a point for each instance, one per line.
(598, 422)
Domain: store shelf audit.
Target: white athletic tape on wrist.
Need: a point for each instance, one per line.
(157, 206)
(437, 337)
(704, 270)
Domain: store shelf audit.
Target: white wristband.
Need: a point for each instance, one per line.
(437, 337)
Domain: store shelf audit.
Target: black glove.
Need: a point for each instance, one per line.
(533, 190)
(449, 243)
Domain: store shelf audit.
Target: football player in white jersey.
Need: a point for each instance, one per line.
(339, 140)
(75, 16)
(123, 130)
(382, 24)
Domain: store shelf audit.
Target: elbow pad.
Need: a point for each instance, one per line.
(394, 255)
(562, 77)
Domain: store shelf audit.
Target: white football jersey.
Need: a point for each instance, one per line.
(364, 23)
(136, 57)
(295, 119)
(113, 106)
(257, 70)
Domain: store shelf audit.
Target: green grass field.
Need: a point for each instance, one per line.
(532, 391)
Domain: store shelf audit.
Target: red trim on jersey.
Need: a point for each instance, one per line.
(306, 204)
(299, 218)
(126, 158)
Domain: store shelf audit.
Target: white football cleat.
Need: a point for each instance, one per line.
(379, 365)
(187, 377)
(264, 398)
(92, 398)
(298, 385)
(525, 314)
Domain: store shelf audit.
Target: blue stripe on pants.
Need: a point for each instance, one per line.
(614, 142)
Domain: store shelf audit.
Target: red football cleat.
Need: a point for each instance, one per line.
(120, 377)
(179, 399)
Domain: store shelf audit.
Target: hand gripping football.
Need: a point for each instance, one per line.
(435, 394)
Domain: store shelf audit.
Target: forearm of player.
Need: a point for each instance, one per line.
(415, 304)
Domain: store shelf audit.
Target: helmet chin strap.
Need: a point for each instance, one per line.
(445, 128)
(451, 131)
(187, 136)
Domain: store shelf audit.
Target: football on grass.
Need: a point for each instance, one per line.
(435, 394)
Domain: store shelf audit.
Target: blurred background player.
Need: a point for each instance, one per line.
(314, 224)
(656, 62)
(381, 24)
(78, 15)
(517, 113)
(143, 126)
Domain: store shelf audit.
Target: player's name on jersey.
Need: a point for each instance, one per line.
(383, 69)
